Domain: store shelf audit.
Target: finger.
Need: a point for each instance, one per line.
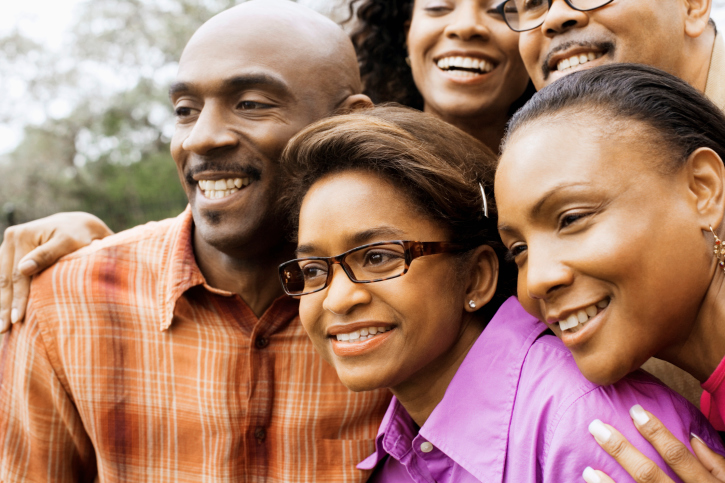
(640, 468)
(6, 290)
(712, 461)
(595, 476)
(672, 450)
(21, 289)
(47, 254)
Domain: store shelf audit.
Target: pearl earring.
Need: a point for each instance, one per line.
(472, 304)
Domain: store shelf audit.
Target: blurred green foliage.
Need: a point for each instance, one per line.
(109, 154)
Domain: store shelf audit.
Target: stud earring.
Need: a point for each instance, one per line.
(718, 250)
(472, 304)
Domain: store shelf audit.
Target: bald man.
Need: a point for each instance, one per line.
(168, 352)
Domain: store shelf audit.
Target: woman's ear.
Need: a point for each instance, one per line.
(483, 278)
(706, 177)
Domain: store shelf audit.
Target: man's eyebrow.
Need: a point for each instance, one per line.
(178, 87)
(240, 83)
(360, 238)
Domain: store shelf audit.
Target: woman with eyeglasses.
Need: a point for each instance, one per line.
(402, 285)
(618, 238)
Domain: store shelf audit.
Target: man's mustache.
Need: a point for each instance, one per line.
(604, 47)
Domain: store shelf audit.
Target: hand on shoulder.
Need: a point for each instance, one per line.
(32, 247)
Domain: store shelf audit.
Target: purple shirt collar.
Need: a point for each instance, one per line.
(483, 390)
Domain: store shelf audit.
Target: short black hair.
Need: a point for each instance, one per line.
(682, 117)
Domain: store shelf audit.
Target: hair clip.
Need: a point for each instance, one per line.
(485, 203)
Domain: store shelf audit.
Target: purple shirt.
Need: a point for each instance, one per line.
(518, 410)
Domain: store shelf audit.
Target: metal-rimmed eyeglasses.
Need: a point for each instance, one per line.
(523, 15)
(370, 263)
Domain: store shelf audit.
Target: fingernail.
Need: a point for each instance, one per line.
(599, 431)
(14, 315)
(591, 476)
(637, 413)
(28, 266)
(693, 435)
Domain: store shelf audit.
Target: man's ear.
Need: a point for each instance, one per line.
(697, 16)
(706, 175)
(483, 279)
(355, 102)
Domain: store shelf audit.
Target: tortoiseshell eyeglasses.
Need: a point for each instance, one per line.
(364, 264)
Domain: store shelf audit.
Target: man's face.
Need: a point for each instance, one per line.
(639, 31)
(238, 100)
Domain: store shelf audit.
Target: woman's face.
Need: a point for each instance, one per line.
(465, 60)
(604, 241)
(420, 312)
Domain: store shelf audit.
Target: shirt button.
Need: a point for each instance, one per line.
(426, 447)
(261, 342)
(260, 434)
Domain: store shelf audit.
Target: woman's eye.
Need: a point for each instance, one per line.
(514, 252)
(569, 219)
(311, 271)
(437, 8)
(380, 258)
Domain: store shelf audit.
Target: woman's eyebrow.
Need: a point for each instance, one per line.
(359, 238)
(539, 205)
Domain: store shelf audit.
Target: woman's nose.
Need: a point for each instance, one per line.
(545, 275)
(343, 294)
(468, 22)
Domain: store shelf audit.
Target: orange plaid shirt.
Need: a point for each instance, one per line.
(130, 368)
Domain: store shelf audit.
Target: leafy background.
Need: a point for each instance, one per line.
(94, 117)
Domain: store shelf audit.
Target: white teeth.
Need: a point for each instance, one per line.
(362, 334)
(476, 66)
(582, 316)
(221, 188)
(576, 60)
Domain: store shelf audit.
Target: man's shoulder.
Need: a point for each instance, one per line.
(140, 240)
(111, 267)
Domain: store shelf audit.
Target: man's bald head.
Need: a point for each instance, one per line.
(314, 48)
(250, 79)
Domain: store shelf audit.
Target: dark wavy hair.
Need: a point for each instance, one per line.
(379, 41)
(437, 166)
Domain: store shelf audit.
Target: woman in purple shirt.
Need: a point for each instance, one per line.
(625, 222)
(397, 198)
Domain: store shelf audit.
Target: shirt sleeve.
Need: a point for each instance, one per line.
(571, 447)
(42, 437)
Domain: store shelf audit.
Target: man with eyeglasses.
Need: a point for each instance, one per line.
(562, 36)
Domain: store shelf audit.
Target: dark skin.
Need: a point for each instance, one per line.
(238, 101)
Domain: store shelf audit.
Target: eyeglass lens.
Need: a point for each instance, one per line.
(528, 14)
(366, 264)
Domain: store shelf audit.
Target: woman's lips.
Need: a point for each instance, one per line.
(572, 338)
(351, 349)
